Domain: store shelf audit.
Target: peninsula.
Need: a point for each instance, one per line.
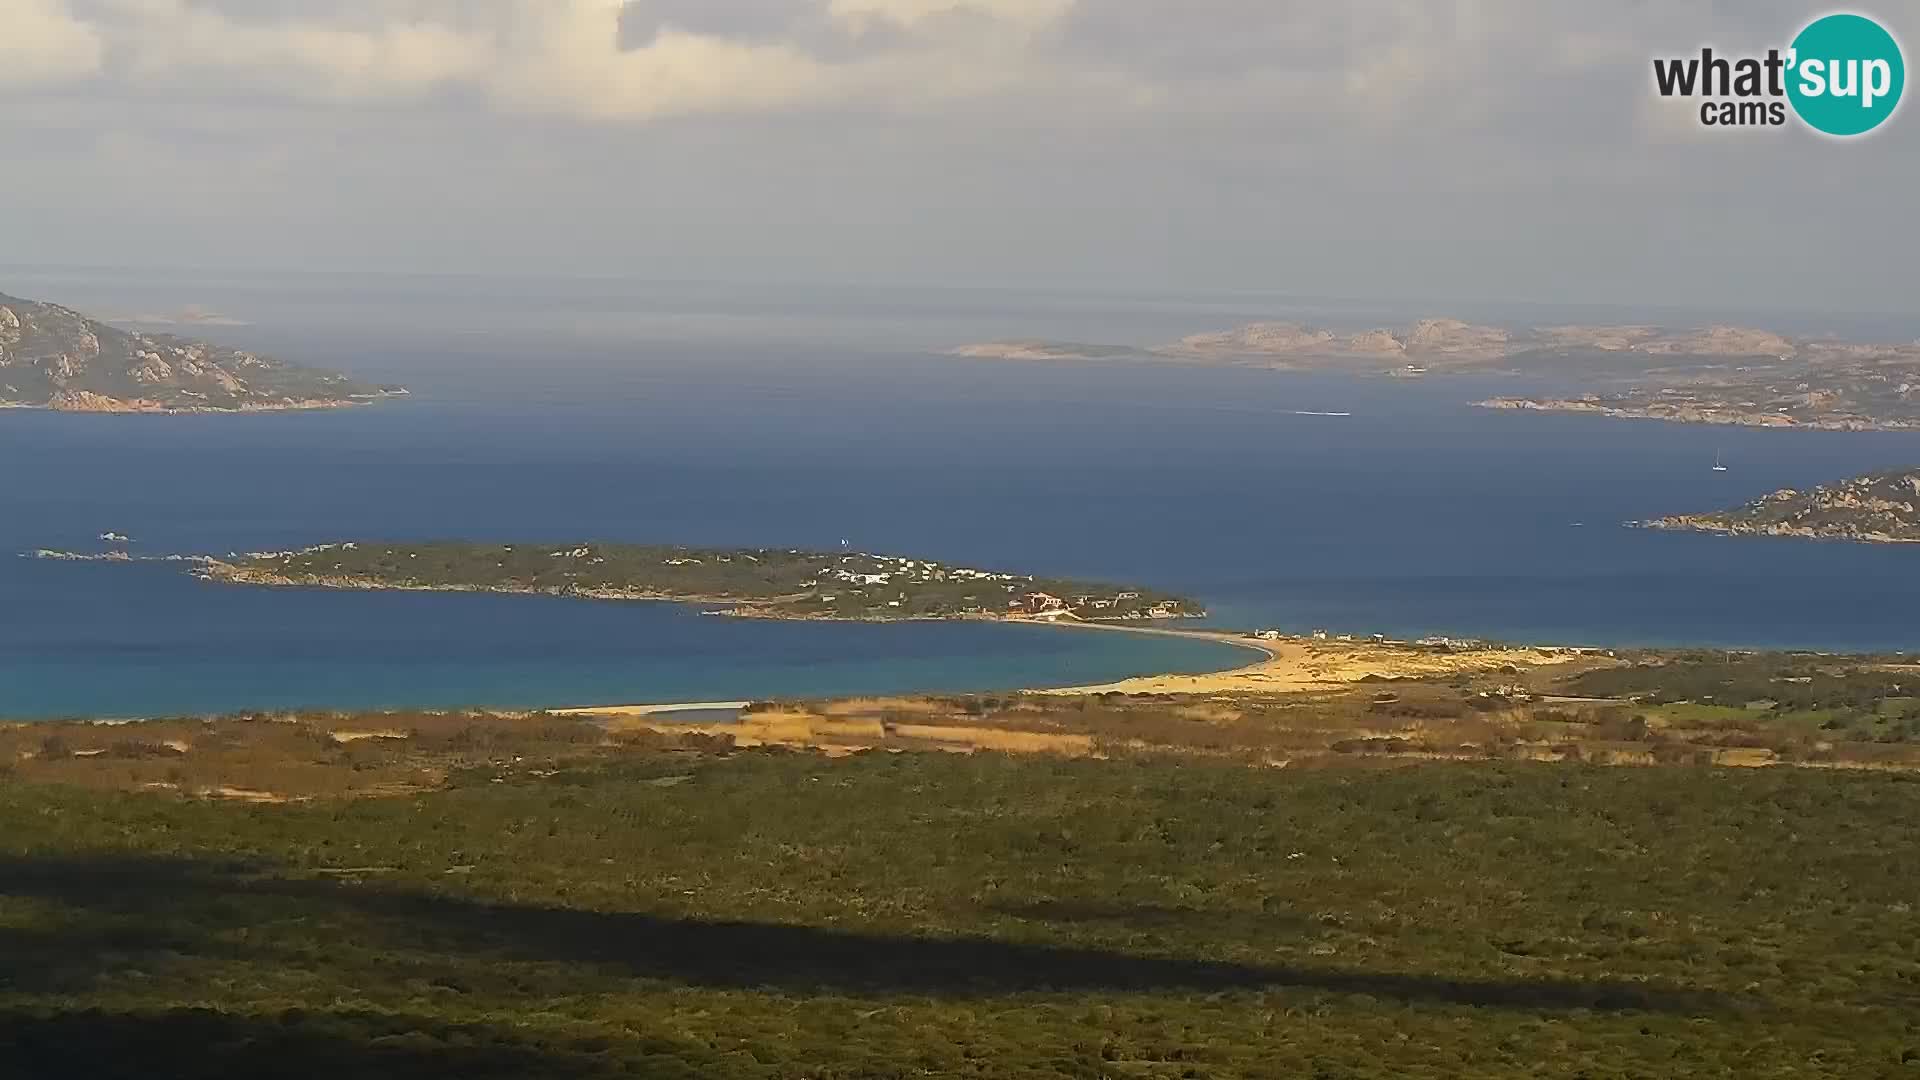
(1831, 392)
(1881, 508)
(755, 582)
(53, 357)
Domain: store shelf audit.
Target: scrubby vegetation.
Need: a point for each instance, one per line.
(774, 914)
(1483, 717)
(1408, 878)
(278, 757)
(1818, 701)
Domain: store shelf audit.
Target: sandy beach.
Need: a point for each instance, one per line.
(1027, 721)
(1295, 665)
(1285, 665)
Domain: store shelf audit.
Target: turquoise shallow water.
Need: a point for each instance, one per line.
(1416, 514)
(146, 639)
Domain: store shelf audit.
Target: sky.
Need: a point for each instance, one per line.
(1485, 149)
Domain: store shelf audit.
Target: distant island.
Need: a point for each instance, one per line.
(1049, 350)
(1881, 508)
(757, 582)
(52, 357)
(1707, 375)
(1434, 345)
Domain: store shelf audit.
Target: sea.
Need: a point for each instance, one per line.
(773, 415)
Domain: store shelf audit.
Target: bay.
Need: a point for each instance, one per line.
(1416, 514)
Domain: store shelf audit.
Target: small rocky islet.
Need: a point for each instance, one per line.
(1879, 508)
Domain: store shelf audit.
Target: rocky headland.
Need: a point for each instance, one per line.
(52, 357)
(1881, 508)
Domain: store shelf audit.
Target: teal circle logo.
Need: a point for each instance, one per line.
(1845, 75)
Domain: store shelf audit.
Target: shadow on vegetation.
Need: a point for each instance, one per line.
(118, 912)
(104, 1045)
(1139, 916)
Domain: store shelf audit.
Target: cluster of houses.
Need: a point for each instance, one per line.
(682, 560)
(860, 570)
(1448, 643)
(1451, 644)
(893, 568)
(317, 549)
(1323, 635)
(1046, 605)
(1019, 597)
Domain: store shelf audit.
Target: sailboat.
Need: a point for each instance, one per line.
(1717, 466)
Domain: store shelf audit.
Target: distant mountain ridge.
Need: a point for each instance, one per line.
(1048, 350)
(52, 357)
(1697, 375)
(1428, 338)
(1440, 343)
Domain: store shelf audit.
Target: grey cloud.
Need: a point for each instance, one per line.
(747, 20)
(1376, 146)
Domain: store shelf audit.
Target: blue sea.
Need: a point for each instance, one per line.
(682, 415)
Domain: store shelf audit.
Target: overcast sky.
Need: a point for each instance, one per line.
(1364, 148)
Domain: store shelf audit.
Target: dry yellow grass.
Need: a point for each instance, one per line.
(361, 736)
(1745, 757)
(875, 705)
(1011, 742)
(1294, 666)
(250, 795)
(844, 727)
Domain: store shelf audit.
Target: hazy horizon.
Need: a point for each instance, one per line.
(434, 303)
(1441, 151)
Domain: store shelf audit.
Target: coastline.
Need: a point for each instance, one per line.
(1703, 415)
(663, 713)
(217, 572)
(129, 408)
(1287, 665)
(1682, 524)
(1269, 652)
(1296, 664)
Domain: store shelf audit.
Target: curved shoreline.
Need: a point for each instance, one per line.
(1709, 416)
(1282, 665)
(1288, 665)
(1295, 664)
(1270, 653)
